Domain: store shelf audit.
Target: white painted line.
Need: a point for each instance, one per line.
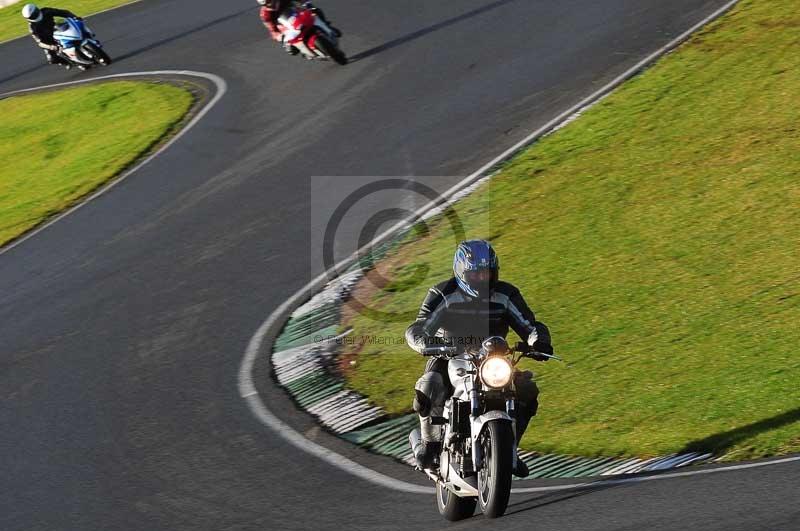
(248, 391)
(247, 388)
(642, 479)
(222, 88)
(87, 16)
(330, 457)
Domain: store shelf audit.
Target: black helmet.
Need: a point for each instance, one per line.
(476, 268)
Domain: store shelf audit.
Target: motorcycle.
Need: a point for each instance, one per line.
(304, 29)
(79, 45)
(479, 449)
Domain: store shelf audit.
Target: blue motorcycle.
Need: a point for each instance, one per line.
(79, 45)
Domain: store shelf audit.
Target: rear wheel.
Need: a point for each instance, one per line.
(328, 49)
(451, 506)
(97, 54)
(494, 478)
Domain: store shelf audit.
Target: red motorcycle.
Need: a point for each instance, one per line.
(302, 28)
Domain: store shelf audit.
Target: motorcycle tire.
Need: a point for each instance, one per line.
(328, 49)
(452, 507)
(494, 479)
(98, 54)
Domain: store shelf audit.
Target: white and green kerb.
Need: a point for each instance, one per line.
(304, 363)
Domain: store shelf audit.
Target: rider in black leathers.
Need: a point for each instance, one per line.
(41, 23)
(463, 311)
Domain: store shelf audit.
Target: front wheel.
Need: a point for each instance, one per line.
(451, 506)
(328, 49)
(97, 54)
(494, 478)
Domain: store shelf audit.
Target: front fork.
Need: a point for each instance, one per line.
(511, 409)
(477, 426)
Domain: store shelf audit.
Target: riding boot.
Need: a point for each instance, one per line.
(521, 469)
(426, 454)
(289, 48)
(55, 58)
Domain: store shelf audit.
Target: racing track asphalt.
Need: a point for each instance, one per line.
(122, 325)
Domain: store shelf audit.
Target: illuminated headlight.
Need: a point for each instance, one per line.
(496, 372)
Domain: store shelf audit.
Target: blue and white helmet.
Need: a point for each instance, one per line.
(32, 13)
(476, 268)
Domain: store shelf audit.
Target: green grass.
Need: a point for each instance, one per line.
(13, 25)
(659, 237)
(56, 147)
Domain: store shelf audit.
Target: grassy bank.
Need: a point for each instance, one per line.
(13, 25)
(56, 147)
(659, 237)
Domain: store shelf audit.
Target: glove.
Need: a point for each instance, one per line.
(420, 342)
(540, 348)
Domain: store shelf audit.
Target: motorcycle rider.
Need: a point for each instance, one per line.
(271, 10)
(463, 311)
(41, 22)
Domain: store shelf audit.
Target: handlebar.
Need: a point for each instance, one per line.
(439, 351)
(528, 351)
(548, 356)
(522, 348)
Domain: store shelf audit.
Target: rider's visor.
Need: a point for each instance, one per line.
(481, 276)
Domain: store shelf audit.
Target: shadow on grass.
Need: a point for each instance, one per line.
(719, 443)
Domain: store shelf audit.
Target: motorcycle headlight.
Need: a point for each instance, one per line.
(496, 372)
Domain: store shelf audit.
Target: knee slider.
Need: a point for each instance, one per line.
(428, 393)
(422, 404)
